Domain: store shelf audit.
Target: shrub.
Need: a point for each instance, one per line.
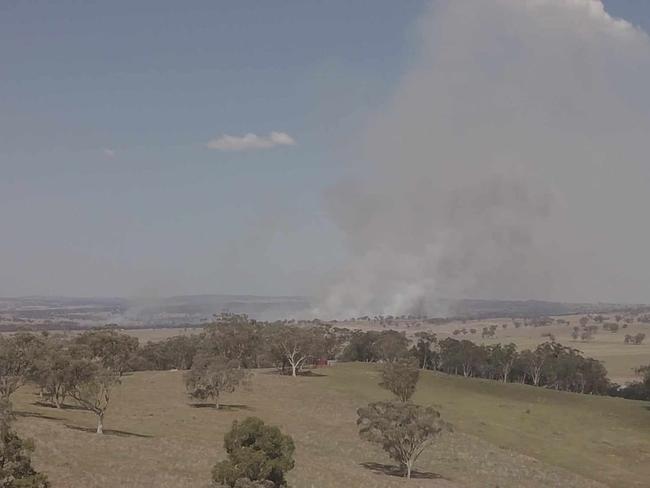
(16, 469)
(259, 455)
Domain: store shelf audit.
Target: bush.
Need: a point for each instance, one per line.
(257, 453)
(16, 469)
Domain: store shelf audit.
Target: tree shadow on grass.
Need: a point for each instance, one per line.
(309, 373)
(312, 374)
(36, 415)
(119, 433)
(222, 406)
(392, 470)
(64, 406)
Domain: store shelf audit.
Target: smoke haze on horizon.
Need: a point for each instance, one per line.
(511, 162)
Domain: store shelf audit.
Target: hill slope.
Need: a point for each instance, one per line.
(504, 435)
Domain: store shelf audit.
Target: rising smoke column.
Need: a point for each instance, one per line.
(511, 162)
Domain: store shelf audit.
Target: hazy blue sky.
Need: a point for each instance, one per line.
(107, 186)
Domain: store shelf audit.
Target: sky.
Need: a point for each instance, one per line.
(155, 148)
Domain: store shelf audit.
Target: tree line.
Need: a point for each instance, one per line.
(549, 365)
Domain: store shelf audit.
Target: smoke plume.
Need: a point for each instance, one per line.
(511, 162)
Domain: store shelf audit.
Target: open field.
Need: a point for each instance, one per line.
(504, 435)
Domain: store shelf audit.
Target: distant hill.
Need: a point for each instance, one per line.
(72, 313)
(525, 308)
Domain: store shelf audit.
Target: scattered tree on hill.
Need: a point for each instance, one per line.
(211, 376)
(91, 386)
(584, 321)
(403, 430)
(400, 378)
(16, 469)
(259, 455)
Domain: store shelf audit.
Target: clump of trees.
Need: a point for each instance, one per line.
(634, 339)
(172, 353)
(84, 368)
(636, 390)
(611, 326)
(259, 455)
(403, 430)
(293, 347)
(373, 346)
(489, 331)
(424, 349)
(550, 364)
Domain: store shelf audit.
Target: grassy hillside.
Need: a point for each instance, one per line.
(505, 435)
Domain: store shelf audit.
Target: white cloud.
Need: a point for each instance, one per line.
(109, 153)
(251, 141)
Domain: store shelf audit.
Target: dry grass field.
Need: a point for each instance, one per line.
(504, 435)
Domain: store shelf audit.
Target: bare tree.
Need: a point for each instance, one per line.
(296, 346)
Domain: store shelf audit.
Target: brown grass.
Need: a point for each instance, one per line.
(155, 437)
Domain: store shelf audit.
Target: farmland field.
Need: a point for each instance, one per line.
(504, 435)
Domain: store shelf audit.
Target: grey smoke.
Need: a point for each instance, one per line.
(511, 162)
